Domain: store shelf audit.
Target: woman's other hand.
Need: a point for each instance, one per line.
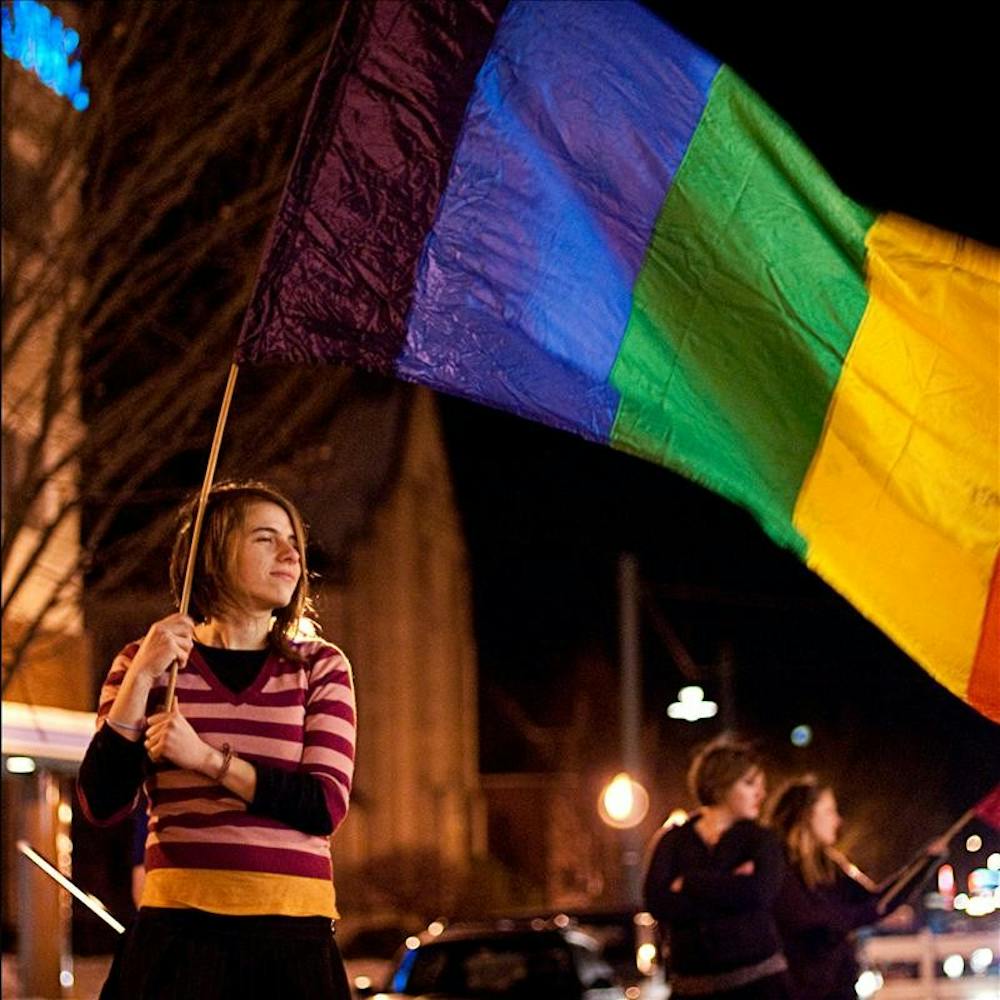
(171, 737)
(169, 639)
(746, 868)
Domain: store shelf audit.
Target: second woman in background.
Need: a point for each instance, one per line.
(824, 897)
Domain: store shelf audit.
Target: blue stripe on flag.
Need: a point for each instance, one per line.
(580, 118)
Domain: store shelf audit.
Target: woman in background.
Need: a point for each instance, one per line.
(246, 777)
(824, 897)
(711, 882)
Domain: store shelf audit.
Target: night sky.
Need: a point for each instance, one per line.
(900, 115)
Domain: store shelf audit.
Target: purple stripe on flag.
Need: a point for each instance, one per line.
(581, 116)
(337, 277)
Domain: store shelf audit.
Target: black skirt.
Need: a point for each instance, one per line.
(173, 954)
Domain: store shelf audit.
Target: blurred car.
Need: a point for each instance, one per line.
(512, 962)
(628, 943)
(369, 953)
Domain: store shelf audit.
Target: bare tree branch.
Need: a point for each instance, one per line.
(139, 227)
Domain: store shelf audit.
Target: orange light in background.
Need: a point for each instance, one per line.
(623, 803)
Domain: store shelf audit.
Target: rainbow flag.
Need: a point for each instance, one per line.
(570, 212)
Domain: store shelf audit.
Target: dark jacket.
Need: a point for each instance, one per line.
(718, 921)
(816, 925)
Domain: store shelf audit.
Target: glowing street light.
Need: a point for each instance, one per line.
(691, 705)
(623, 803)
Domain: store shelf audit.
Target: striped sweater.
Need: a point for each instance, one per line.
(204, 849)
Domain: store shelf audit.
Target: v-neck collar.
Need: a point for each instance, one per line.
(233, 697)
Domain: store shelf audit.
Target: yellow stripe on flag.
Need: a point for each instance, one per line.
(901, 505)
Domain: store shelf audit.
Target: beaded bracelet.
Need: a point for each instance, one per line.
(227, 759)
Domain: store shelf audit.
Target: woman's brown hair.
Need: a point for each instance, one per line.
(225, 511)
(790, 816)
(718, 766)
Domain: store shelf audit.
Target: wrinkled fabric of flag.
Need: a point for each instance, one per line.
(570, 212)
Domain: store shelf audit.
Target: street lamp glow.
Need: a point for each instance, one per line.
(21, 765)
(993, 862)
(691, 705)
(623, 803)
(973, 843)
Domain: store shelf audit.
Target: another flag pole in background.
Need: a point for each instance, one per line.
(986, 809)
(570, 212)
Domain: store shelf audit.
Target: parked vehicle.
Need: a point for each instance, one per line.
(509, 962)
(627, 942)
(369, 952)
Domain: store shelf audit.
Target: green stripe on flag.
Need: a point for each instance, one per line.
(743, 311)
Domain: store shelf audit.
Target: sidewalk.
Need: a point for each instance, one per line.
(89, 973)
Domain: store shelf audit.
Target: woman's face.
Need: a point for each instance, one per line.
(746, 795)
(824, 822)
(266, 565)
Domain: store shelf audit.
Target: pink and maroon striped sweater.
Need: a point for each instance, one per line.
(204, 849)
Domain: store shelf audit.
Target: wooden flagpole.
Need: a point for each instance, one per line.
(199, 517)
(226, 400)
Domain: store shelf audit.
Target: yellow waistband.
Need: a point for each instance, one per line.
(240, 893)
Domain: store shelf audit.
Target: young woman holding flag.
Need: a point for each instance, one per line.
(247, 773)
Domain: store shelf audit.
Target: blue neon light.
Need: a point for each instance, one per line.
(40, 42)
